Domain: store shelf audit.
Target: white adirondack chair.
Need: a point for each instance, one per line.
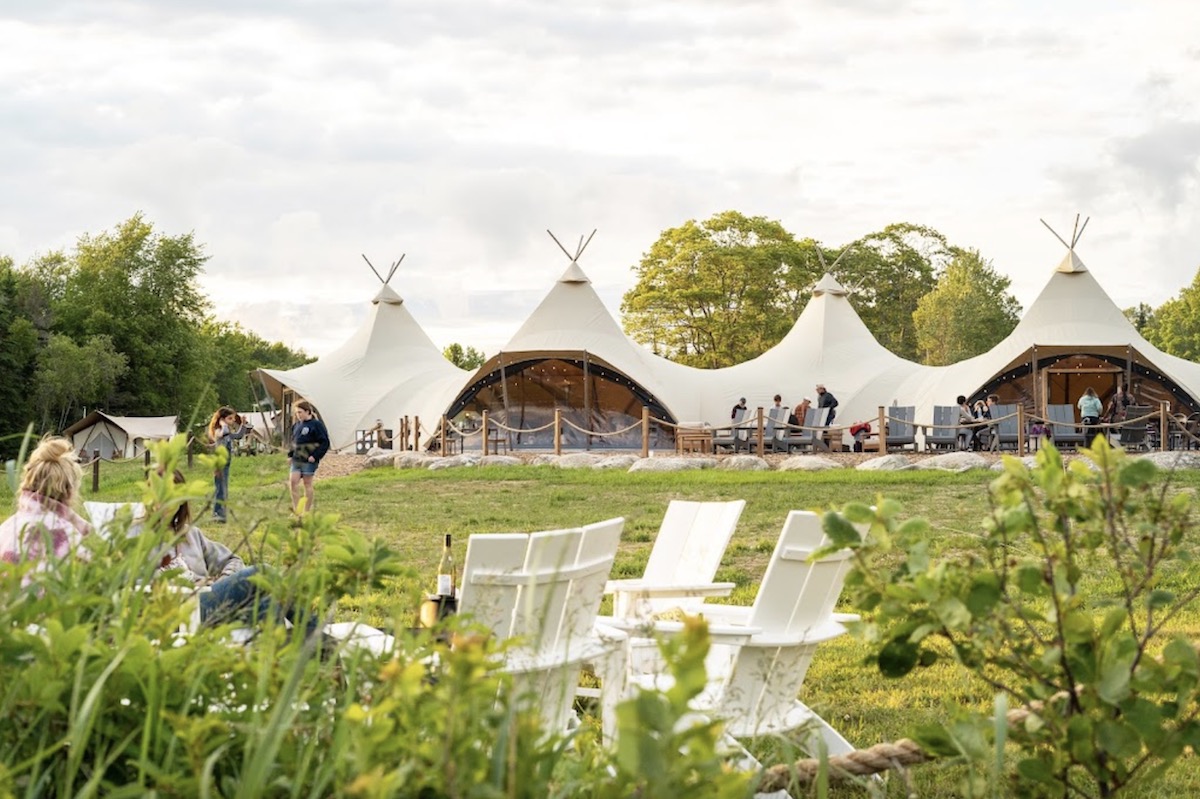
(544, 590)
(687, 551)
(761, 653)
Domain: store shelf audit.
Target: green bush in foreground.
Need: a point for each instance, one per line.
(1060, 611)
(101, 695)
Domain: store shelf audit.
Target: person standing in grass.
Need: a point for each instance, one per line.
(44, 526)
(224, 428)
(310, 442)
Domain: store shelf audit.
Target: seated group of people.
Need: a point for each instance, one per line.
(45, 529)
(974, 420)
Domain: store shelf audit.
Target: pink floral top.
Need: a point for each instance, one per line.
(40, 520)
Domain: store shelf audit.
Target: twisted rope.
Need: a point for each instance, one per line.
(636, 424)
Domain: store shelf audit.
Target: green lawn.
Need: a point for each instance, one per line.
(412, 509)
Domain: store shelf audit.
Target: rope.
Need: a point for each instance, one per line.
(860, 763)
(623, 430)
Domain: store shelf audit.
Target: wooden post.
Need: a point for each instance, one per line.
(483, 432)
(442, 442)
(558, 431)
(95, 470)
(146, 457)
(762, 450)
(416, 431)
(1020, 428)
(189, 452)
(882, 431)
(645, 431)
(1164, 416)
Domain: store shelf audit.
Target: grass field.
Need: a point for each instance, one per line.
(411, 509)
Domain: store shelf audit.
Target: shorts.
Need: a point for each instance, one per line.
(305, 468)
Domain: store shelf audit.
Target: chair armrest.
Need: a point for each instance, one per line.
(647, 590)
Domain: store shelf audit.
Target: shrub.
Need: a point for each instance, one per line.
(1061, 612)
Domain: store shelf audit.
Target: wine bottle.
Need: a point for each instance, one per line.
(445, 572)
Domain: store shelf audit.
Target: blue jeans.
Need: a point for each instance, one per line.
(221, 491)
(235, 598)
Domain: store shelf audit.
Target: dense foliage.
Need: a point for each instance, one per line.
(1061, 613)
(723, 291)
(101, 325)
(967, 313)
(103, 695)
(1174, 326)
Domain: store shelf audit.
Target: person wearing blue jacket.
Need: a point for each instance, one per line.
(310, 442)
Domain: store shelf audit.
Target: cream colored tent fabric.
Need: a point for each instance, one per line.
(1072, 314)
(830, 345)
(119, 436)
(388, 369)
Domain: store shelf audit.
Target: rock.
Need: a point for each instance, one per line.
(579, 460)
(672, 464)
(954, 462)
(453, 462)
(413, 460)
(379, 460)
(1174, 460)
(544, 459)
(886, 463)
(808, 463)
(616, 462)
(1029, 461)
(499, 460)
(744, 463)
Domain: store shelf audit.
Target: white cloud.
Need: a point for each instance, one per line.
(291, 138)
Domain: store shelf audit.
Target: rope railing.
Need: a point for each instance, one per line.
(706, 437)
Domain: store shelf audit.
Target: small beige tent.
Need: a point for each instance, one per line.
(119, 436)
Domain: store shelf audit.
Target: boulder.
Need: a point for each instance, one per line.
(886, 463)
(954, 462)
(670, 464)
(808, 463)
(744, 463)
(616, 462)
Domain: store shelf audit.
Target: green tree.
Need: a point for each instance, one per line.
(234, 353)
(1175, 325)
(463, 358)
(70, 376)
(719, 292)
(139, 289)
(887, 273)
(18, 346)
(968, 312)
(1141, 316)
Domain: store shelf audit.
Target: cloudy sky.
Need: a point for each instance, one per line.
(292, 135)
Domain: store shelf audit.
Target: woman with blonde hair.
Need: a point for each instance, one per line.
(224, 428)
(44, 526)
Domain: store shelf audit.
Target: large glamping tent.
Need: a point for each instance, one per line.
(571, 356)
(388, 369)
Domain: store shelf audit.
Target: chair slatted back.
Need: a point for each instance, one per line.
(544, 588)
(1063, 428)
(1005, 419)
(688, 548)
(903, 432)
(795, 596)
(943, 436)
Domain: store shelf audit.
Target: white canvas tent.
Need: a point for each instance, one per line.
(388, 369)
(119, 436)
(1071, 317)
(571, 355)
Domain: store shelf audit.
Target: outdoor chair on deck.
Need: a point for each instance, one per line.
(761, 653)
(1133, 433)
(1063, 429)
(942, 435)
(730, 437)
(787, 439)
(903, 433)
(1004, 427)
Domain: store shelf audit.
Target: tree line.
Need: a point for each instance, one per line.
(715, 293)
(119, 323)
